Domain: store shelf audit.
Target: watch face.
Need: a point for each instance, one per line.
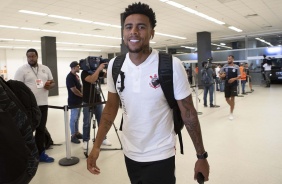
(203, 156)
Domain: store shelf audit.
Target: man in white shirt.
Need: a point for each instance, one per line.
(148, 136)
(39, 79)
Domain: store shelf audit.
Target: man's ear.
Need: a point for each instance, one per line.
(152, 34)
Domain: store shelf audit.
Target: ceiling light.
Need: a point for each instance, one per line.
(177, 5)
(30, 29)
(12, 27)
(20, 40)
(190, 10)
(235, 29)
(222, 44)
(32, 12)
(183, 38)
(82, 20)
(65, 32)
(6, 39)
(50, 31)
(60, 17)
(101, 23)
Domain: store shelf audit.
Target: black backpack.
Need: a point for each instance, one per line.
(28, 100)
(19, 156)
(48, 139)
(206, 79)
(166, 81)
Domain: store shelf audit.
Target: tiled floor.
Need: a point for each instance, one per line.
(246, 150)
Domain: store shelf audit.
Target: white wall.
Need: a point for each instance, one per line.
(14, 58)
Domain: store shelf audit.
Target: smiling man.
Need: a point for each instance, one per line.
(148, 136)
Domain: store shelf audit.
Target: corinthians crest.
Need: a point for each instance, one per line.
(154, 81)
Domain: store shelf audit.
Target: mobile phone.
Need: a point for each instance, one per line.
(200, 178)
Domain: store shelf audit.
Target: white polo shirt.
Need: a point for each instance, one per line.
(28, 75)
(148, 131)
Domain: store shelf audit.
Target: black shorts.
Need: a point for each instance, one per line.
(230, 90)
(157, 172)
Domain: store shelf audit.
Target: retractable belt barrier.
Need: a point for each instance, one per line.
(69, 160)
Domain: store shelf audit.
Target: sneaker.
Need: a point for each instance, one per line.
(106, 142)
(252, 90)
(84, 146)
(231, 117)
(78, 135)
(212, 106)
(244, 93)
(45, 158)
(74, 139)
(205, 105)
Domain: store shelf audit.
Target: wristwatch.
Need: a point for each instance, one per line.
(203, 156)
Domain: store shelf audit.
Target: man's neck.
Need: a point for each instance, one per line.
(139, 58)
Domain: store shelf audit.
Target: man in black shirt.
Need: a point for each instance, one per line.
(74, 98)
(231, 73)
(89, 89)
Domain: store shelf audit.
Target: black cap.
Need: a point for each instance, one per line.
(74, 64)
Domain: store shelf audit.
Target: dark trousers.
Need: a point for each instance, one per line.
(40, 130)
(157, 172)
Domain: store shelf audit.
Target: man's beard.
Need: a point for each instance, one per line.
(143, 49)
(33, 65)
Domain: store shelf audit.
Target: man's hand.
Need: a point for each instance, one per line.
(232, 80)
(203, 167)
(48, 85)
(91, 161)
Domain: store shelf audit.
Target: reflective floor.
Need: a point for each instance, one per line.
(246, 150)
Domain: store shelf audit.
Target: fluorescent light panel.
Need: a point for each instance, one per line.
(88, 21)
(235, 29)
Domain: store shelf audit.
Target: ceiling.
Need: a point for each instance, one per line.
(255, 17)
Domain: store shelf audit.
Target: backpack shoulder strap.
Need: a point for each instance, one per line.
(118, 62)
(166, 77)
(166, 82)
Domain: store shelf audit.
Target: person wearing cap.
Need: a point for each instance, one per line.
(39, 79)
(74, 99)
(243, 78)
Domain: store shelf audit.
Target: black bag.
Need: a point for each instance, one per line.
(27, 99)
(48, 139)
(19, 156)
(166, 81)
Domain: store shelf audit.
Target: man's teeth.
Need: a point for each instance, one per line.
(134, 40)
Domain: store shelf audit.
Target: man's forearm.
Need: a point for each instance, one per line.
(191, 121)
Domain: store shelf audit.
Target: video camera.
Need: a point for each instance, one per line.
(209, 61)
(91, 63)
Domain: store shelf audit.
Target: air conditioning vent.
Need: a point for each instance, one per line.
(50, 23)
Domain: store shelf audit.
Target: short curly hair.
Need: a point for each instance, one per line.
(141, 8)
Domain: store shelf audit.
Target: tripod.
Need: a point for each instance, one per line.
(96, 91)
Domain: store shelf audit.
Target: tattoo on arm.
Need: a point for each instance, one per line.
(191, 121)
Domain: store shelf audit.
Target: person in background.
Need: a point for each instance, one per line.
(74, 98)
(249, 78)
(148, 136)
(230, 73)
(267, 72)
(243, 78)
(90, 80)
(39, 79)
(209, 87)
(217, 79)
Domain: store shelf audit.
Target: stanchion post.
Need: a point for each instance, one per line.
(239, 89)
(68, 161)
(214, 92)
(199, 113)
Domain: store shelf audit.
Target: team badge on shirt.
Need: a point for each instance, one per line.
(155, 83)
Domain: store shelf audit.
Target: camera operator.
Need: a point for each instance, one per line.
(89, 79)
(208, 86)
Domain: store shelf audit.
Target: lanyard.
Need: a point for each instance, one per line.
(34, 71)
